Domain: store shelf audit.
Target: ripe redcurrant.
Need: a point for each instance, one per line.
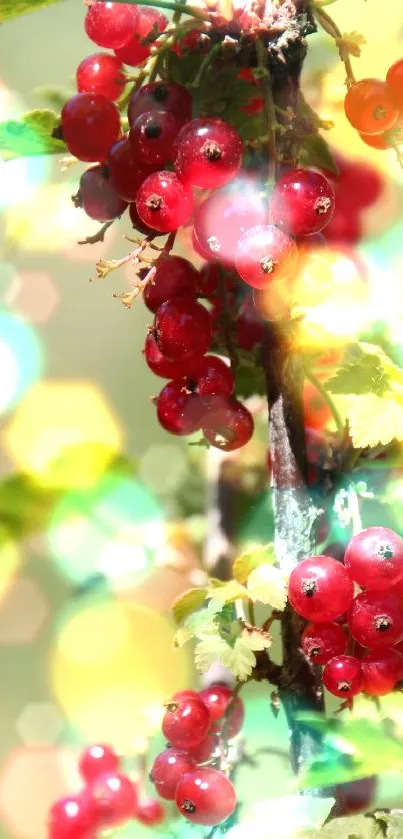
(165, 367)
(182, 328)
(163, 202)
(342, 676)
(174, 277)
(150, 812)
(125, 173)
(110, 25)
(212, 377)
(222, 219)
(152, 137)
(139, 225)
(97, 196)
(167, 770)
(376, 619)
(263, 254)
(228, 425)
(249, 327)
(320, 589)
(370, 107)
(322, 641)
(394, 80)
(114, 799)
(90, 126)
(209, 280)
(72, 818)
(208, 153)
(98, 760)
(161, 96)
(205, 796)
(302, 202)
(101, 73)
(374, 558)
(203, 751)
(381, 670)
(178, 410)
(217, 698)
(148, 21)
(186, 722)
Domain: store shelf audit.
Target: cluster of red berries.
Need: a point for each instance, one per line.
(108, 800)
(375, 108)
(198, 727)
(323, 590)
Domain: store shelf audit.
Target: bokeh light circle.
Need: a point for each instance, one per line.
(20, 359)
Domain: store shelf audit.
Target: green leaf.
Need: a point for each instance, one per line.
(14, 8)
(187, 603)
(367, 369)
(349, 827)
(315, 151)
(393, 821)
(373, 420)
(249, 378)
(251, 559)
(182, 70)
(30, 135)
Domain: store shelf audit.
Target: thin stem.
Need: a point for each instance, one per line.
(251, 612)
(169, 4)
(269, 110)
(329, 401)
(226, 321)
(327, 23)
(206, 63)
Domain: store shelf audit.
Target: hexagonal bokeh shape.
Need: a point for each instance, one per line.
(34, 295)
(165, 459)
(39, 724)
(22, 613)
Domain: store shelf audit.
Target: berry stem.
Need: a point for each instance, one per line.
(127, 297)
(326, 398)
(226, 321)
(269, 111)
(207, 61)
(327, 23)
(251, 612)
(97, 237)
(105, 266)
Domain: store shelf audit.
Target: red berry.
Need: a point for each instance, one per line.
(183, 328)
(209, 280)
(376, 619)
(205, 796)
(189, 41)
(249, 328)
(345, 227)
(110, 25)
(394, 80)
(228, 425)
(212, 377)
(163, 202)
(374, 558)
(221, 220)
(161, 96)
(320, 589)
(263, 254)
(208, 153)
(100, 73)
(178, 410)
(139, 225)
(186, 722)
(152, 137)
(125, 174)
(162, 366)
(134, 52)
(369, 106)
(72, 818)
(316, 411)
(322, 641)
(358, 185)
(342, 676)
(150, 812)
(168, 768)
(203, 751)
(355, 796)
(114, 799)
(186, 693)
(97, 196)
(98, 760)
(90, 125)
(376, 141)
(302, 202)
(174, 277)
(217, 699)
(381, 670)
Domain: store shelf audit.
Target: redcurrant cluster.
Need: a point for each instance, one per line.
(108, 800)
(369, 623)
(198, 727)
(375, 108)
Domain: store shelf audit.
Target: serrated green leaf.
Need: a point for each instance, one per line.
(227, 593)
(315, 151)
(251, 559)
(349, 827)
(14, 8)
(364, 375)
(30, 135)
(393, 821)
(187, 603)
(373, 420)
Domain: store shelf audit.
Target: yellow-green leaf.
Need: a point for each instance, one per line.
(373, 420)
(31, 135)
(367, 369)
(268, 584)
(14, 8)
(187, 603)
(251, 559)
(228, 593)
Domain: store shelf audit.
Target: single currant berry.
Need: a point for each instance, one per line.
(302, 202)
(374, 558)
(139, 225)
(97, 197)
(161, 96)
(345, 228)
(355, 796)
(249, 327)
(90, 125)
(152, 137)
(72, 818)
(394, 80)
(163, 202)
(320, 589)
(376, 619)
(222, 219)
(98, 760)
(186, 693)
(263, 254)
(358, 185)
(212, 377)
(182, 328)
(205, 796)
(110, 25)
(218, 698)
(149, 24)
(376, 141)
(114, 799)
(125, 173)
(192, 40)
(322, 641)
(204, 750)
(165, 367)
(370, 107)
(101, 73)
(381, 670)
(228, 425)
(174, 277)
(208, 153)
(342, 676)
(209, 280)
(150, 812)
(167, 770)
(186, 722)
(179, 411)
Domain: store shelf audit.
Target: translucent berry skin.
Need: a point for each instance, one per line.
(217, 698)
(376, 619)
(322, 641)
(381, 670)
(183, 328)
(263, 254)
(98, 760)
(134, 52)
(150, 812)
(208, 153)
(152, 137)
(178, 411)
(370, 107)
(209, 280)
(213, 377)
(125, 173)
(302, 202)
(100, 73)
(186, 722)
(203, 751)
(394, 80)
(72, 818)
(249, 328)
(110, 25)
(90, 125)
(320, 589)
(161, 96)
(98, 197)
(163, 202)
(205, 796)
(228, 425)
(114, 799)
(174, 277)
(374, 558)
(138, 224)
(222, 219)
(167, 770)
(162, 366)
(342, 676)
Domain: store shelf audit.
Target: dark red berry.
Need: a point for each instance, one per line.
(101, 73)
(228, 425)
(72, 818)
(90, 125)
(152, 137)
(320, 589)
(165, 367)
(161, 96)
(370, 107)
(135, 51)
(150, 812)
(342, 676)
(163, 202)
(355, 796)
(209, 280)
(222, 219)
(182, 328)
(212, 377)
(344, 228)
(249, 327)
(264, 253)
(374, 558)
(174, 277)
(205, 796)
(203, 751)
(179, 411)
(139, 225)
(322, 641)
(186, 722)
(302, 202)
(208, 153)
(114, 799)
(358, 185)
(168, 768)
(376, 619)
(217, 698)
(110, 25)
(381, 670)
(97, 196)
(125, 173)
(98, 760)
